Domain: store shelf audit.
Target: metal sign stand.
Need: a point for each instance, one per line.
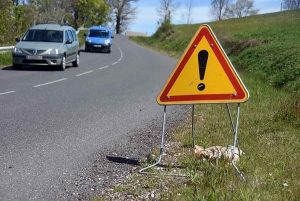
(235, 142)
(161, 150)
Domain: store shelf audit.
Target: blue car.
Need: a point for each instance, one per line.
(98, 39)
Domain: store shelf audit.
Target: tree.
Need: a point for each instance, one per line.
(291, 4)
(5, 20)
(122, 13)
(167, 9)
(187, 17)
(90, 12)
(241, 8)
(218, 8)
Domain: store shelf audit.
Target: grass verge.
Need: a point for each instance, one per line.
(5, 59)
(268, 126)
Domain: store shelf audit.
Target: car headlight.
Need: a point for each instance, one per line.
(88, 40)
(54, 51)
(17, 50)
(107, 41)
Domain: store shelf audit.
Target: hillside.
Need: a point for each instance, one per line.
(265, 45)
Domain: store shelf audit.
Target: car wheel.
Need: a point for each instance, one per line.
(17, 66)
(109, 50)
(62, 66)
(76, 62)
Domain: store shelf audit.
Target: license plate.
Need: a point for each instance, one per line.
(34, 57)
(97, 45)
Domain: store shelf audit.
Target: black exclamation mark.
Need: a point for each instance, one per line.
(202, 61)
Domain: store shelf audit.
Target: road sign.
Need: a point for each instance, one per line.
(204, 74)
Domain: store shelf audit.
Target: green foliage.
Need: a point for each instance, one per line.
(92, 12)
(5, 21)
(16, 19)
(164, 30)
(19, 12)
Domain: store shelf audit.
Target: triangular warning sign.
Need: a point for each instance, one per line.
(204, 74)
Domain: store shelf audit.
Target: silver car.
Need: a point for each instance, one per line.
(47, 44)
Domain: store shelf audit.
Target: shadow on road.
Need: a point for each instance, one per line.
(123, 160)
(34, 68)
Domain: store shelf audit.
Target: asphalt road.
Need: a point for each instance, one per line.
(53, 121)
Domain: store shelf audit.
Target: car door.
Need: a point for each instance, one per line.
(76, 42)
(74, 49)
(70, 54)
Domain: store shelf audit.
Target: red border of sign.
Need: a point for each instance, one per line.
(223, 61)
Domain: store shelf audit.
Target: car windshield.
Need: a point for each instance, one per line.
(98, 33)
(43, 35)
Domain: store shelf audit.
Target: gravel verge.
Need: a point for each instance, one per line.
(115, 164)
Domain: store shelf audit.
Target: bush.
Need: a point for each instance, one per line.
(165, 30)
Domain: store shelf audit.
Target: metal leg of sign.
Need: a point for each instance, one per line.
(142, 171)
(193, 138)
(232, 124)
(235, 142)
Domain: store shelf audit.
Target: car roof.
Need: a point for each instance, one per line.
(99, 28)
(51, 27)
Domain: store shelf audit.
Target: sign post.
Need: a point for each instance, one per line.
(204, 74)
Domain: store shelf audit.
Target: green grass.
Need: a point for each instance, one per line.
(5, 59)
(265, 51)
(270, 147)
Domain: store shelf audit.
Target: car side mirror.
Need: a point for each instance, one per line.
(17, 39)
(85, 34)
(112, 36)
(69, 42)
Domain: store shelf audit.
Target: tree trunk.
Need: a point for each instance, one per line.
(118, 25)
(76, 20)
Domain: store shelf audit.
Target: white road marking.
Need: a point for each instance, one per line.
(39, 85)
(120, 51)
(8, 92)
(103, 67)
(85, 73)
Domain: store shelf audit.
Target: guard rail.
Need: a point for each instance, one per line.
(7, 48)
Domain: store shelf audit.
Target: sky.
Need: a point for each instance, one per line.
(147, 17)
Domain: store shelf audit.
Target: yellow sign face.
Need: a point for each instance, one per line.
(204, 74)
